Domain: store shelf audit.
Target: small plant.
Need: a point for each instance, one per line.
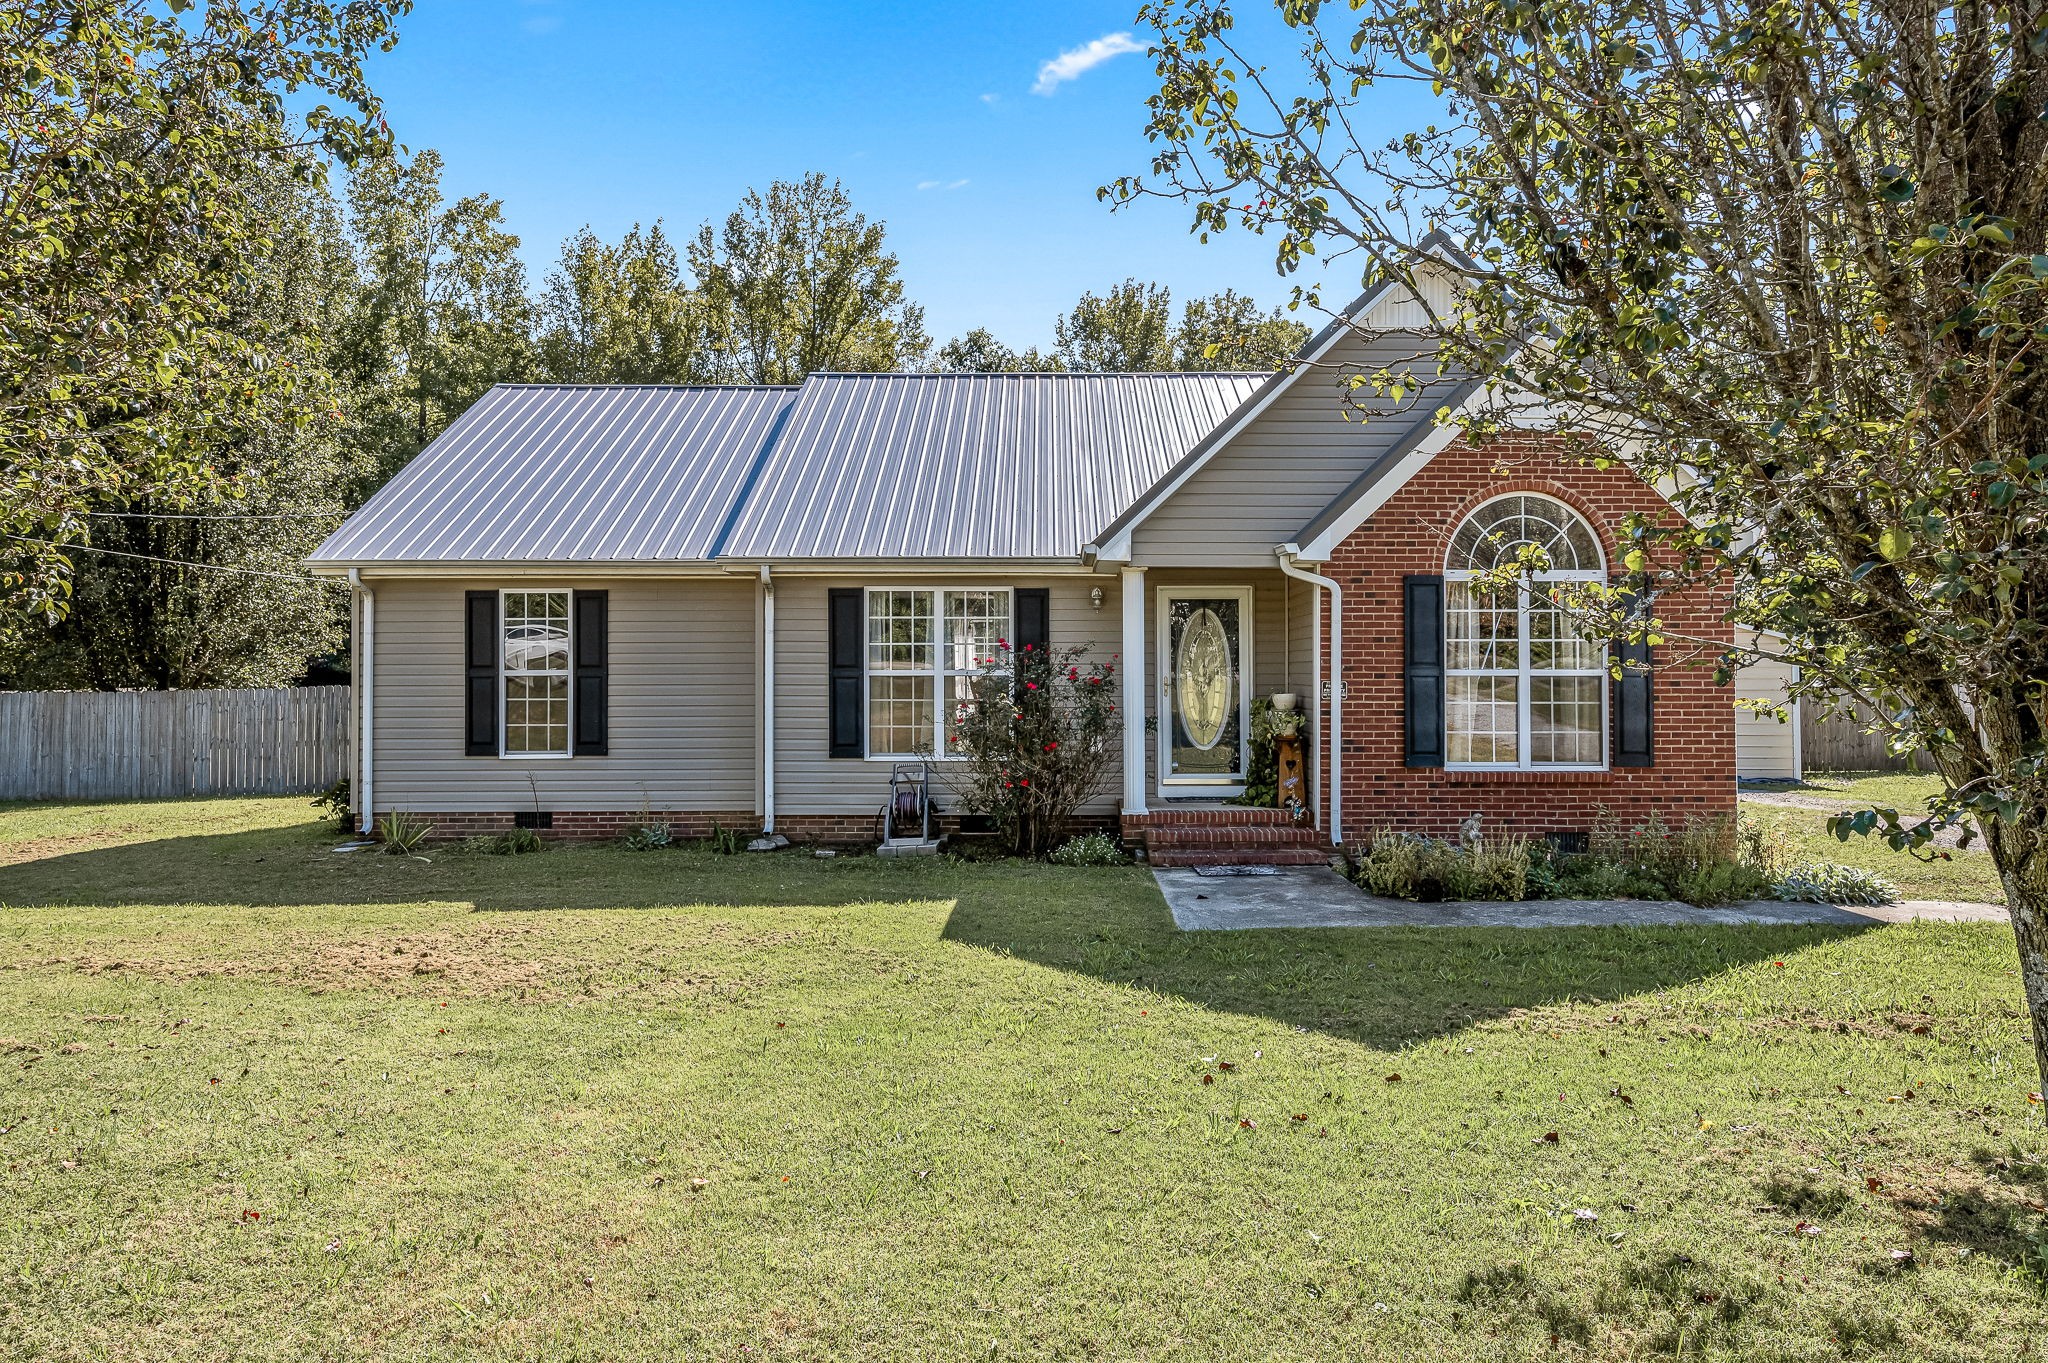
(516, 842)
(646, 837)
(477, 844)
(726, 841)
(403, 832)
(1090, 849)
(1824, 882)
(336, 801)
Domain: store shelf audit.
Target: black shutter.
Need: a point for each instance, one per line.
(1032, 619)
(1422, 598)
(1634, 742)
(590, 640)
(480, 656)
(848, 628)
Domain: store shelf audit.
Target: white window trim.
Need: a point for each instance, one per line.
(939, 672)
(1522, 672)
(568, 675)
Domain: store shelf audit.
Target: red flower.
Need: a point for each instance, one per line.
(1030, 686)
(1025, 782)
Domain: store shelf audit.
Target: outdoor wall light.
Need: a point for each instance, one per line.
(1095, 597)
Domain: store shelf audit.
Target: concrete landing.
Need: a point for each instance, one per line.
(1317, 897)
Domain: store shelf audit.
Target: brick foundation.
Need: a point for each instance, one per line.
(591, 825)
(1694, 743)
(822, 830)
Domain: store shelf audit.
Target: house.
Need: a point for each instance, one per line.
(582, 606)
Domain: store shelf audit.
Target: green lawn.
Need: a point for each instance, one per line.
(262, 1101)
(1803, 835)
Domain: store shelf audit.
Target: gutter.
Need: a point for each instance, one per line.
(767, 700)
(366, 694)
(1334, 735)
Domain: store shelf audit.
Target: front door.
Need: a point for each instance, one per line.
(1204, 711)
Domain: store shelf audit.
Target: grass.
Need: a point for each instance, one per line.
(1968, 874)
(263, 1101)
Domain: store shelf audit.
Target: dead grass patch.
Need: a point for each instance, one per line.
(524, 963)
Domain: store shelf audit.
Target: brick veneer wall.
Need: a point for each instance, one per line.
(1694, 742)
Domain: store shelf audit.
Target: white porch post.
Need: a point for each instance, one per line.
(1134, 690)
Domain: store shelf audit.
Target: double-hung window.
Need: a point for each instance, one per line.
(534, 672)
(1524, 689)
(925, 646)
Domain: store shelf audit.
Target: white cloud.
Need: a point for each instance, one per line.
(1087, 57)
(942, 184)
(990, 98)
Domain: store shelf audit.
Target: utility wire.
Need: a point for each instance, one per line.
(179, 562)
(219, 516)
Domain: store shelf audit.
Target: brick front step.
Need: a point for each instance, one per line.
(1210, 816)
(1237, 856)
(1254, 836)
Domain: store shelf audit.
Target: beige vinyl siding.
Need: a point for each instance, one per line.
(1765, 747)
(808, 779)
(683, 719)
(1290, 462)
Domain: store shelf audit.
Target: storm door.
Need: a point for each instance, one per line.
(1204, 710)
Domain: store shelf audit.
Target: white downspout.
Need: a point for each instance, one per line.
(366, 697)
(1287, 554)
(767, 700)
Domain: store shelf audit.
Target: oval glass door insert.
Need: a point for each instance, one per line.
(1202, 680)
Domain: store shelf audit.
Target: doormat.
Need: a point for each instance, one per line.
(1237, 870)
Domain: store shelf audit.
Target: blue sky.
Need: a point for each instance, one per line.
(609, 112)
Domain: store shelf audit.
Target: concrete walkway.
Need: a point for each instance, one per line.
(1317, 897)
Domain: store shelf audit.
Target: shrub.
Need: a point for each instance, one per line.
(1393, 864)
(335, 801)
(1090, 849)
(1824, 882)
(403, 833)
(646, 837)
(516, 842)
(1407, 866)
(1704, 861)
(1038, 733)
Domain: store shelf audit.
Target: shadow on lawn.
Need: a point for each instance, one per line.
(1378, 986)
(1383, 987)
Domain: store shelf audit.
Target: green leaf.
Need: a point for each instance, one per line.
(1895, 543)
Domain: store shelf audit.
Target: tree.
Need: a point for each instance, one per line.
(207, 591)
(1128, 330)
(133, 139)
(443, 312)
(797, 282)
(621, 314)
(979, 352)
(1227, 331)
(1790, 259)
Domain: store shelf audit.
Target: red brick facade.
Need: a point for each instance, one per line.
(1694, 771)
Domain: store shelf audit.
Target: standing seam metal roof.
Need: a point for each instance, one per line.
(576, 474)
(990, 466)
(845, 466)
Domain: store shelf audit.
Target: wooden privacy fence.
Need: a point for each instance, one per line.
(1840, 744)
(117, 745)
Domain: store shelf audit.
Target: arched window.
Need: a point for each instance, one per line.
(1523, 688)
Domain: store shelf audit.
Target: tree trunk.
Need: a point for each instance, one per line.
(2022, 864)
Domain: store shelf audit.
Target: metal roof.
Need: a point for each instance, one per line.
(993, 466)
(569, 473)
